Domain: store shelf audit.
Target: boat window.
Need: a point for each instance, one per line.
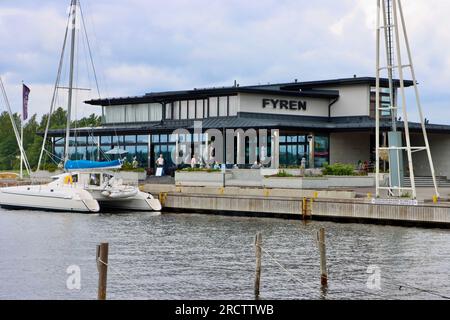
(94, 179)
(74, 178)
(106, 177)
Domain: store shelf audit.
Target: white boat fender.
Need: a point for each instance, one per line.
(106, 193)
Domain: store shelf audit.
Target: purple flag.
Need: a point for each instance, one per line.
(26, 93)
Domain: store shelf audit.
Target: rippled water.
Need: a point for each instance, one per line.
(184, 256)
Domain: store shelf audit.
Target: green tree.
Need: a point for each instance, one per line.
(33, 136)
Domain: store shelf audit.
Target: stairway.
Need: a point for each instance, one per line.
(427, 181)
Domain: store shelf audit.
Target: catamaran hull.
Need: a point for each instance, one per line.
(33, 197)
(142, 201)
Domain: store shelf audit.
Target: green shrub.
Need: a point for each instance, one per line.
(283, 173)
(50, 167)
(189, 169)
(128, 166)
(338, 169)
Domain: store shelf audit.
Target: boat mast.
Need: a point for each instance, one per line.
(72, 54)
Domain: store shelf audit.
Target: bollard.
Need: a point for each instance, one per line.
(435, 198)
(102, 266)
(323, 257)
(258, 250)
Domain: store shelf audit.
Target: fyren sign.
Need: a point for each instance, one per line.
(284, 104)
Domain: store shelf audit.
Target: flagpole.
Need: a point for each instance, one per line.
(21, 138)
(21, 147)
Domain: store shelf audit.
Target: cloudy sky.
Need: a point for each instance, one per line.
(141, 46)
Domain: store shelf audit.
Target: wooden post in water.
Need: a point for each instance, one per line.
(323, 257)
(258, 250)
(102, 266)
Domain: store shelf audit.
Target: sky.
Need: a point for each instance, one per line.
(142, 46)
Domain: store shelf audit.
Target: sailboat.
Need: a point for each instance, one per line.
(85, 186)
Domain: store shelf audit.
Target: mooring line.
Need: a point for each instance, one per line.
(122, 275)
(286, 270)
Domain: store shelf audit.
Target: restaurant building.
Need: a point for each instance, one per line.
(321, 121)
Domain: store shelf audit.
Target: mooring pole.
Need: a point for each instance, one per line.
(258, 250)
(323, 257)
(102, 266)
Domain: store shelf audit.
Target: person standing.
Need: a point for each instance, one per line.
(193, 161)
(160, 164)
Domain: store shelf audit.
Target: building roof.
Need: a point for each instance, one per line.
(256, 121)
(311, 89)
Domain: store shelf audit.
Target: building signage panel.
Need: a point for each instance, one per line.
(397, 202)
(283, 104)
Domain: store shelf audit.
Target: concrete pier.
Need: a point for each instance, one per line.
(332, 205)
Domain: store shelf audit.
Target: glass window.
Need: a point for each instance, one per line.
(81, 141)
(223, 106)
(176, 110)
(283, 154)
(94, 179)
(157, 150)
(282, 138)
(184, 111)
(77, 153)
(191, 109)
(72, 141)
(142, 138)
(168, 111)
(213, 107)
(321, 154)
(59, 153)
(142, 155)
(155, 111)
(117, 139)
(163, 138)
(91, 153)
(105, 140)
(130, 139)
(131, 152)
(199, 109)
(155, 138)
(59, 141)
(170, 152)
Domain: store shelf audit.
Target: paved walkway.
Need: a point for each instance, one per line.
(422, 193)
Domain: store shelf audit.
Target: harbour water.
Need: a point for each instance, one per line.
(189, 256)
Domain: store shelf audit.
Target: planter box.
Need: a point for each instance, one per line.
(199, 178)
(351, 181)
(131, 176)
(319, 182)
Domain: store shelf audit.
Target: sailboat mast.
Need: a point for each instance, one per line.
(72, 54)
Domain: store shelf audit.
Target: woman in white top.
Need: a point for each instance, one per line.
(193, 161)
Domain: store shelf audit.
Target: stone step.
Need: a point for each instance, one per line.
(427, 181)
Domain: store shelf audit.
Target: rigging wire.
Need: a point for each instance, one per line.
(105, 82)
(55, 90)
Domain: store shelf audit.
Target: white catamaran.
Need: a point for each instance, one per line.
(85, 186)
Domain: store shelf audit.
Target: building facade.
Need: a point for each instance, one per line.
(318, 121)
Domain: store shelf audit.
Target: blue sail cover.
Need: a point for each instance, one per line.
(86, 164)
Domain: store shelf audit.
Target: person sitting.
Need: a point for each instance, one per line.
(216, 165)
